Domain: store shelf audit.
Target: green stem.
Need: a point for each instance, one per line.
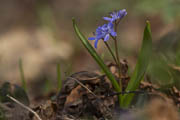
(111, 52)
(117, 55)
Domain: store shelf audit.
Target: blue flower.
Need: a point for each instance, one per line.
(116, 15)
(103, 32)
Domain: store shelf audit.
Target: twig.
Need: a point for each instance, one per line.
(116, 93)
(175, 67)
(26, 107)
(95, 78)
(127, 92)
(84, 86)
(90, 92)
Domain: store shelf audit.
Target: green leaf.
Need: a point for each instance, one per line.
(96, 57)
(141, 66)
(59, 77)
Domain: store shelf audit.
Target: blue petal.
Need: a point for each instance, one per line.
(122, 13)
(95, 43)
(98, 30)
(100, 36)
(119, 13)
(103, 29)
(91, 38)
(113, 33)
(110, 25)
(106, 37)
(107, 18)
(104, 26)
(113, 19)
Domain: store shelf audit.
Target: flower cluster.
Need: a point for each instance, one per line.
(116, 15)
(105, 31)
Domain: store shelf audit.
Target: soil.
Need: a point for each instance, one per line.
(90, 95)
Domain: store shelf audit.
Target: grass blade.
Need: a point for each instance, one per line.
(96, 57)
(59, 77)
(24, 85)
(141, 66)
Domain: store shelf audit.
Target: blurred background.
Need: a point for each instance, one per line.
(40, 33)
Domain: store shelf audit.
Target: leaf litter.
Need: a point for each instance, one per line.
(86, 95)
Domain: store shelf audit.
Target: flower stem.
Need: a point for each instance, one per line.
(111, 52)
(117, 55)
